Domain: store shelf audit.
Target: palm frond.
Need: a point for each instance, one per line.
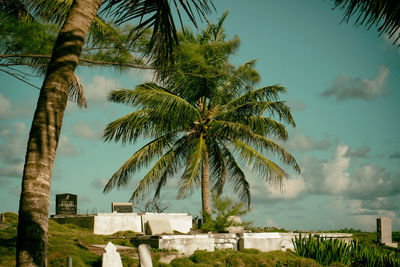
(257, 108)
(269, 170)
(241, 185)
(156, 14)
(383, 13)
(166, 166)
(190, 176)
(76, 93)
(158, 99)
(141, 158)
(269, 93)
(14, 9)
(217, 167)
(50, 11)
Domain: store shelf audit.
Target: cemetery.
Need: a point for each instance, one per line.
(174, 232)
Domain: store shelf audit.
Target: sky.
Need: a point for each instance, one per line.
(343, 87)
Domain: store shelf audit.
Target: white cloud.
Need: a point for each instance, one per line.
(5, 107)
(65, 147)
(99, 183)
(141, 76)
(297, 105)
(13, 142)
(359, 153)
(335, 171)
(98, 88)
(300, 142)
(292, 189)
(83, 130)
(345, 87)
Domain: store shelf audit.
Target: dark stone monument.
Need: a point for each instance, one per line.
(66, 204)
(121, 207)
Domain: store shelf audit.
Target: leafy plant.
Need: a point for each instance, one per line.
(223, 210)
(328, 251)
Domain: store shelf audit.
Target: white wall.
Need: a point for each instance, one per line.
(109, 223)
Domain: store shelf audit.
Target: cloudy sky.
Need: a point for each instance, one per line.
(343, 86)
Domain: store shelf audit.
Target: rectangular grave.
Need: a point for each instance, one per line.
(66, 204)
(121, 207)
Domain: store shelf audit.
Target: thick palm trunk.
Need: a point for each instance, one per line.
(205, 188)
(45, 132)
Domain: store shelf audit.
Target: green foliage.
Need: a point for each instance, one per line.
(223, 209)
(206, 113)
(329, 251)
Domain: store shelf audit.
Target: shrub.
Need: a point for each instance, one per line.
(328, 251)
(223, 209)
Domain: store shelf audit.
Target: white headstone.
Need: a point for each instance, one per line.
(158, 227)
(111, 258)
(384, 231)
(145, 256)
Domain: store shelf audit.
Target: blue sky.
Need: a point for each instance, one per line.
(343, 86)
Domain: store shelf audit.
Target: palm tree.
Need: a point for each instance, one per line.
(205, 117)
(47, 121)
(372, 12)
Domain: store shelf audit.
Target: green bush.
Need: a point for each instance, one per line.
(223, 208)
(328, 251)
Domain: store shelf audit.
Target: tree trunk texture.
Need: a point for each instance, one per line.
(45, 132)
(205, 188)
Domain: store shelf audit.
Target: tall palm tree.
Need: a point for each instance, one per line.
(47, 121)
(383, 13)
(205, 117)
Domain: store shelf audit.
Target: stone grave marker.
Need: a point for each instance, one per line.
(235, 229)
(111, 258)
(145, 256)
(384, 231)
(66, 204)
(121, 207)
(158, 227)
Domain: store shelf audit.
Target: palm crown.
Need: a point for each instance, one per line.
(204, 118)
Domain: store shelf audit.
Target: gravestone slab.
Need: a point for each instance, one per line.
(145, 256)
(121, 207)
(66, 204)
(158, 227)
(235, 228)
(111, 258)
(384, 231)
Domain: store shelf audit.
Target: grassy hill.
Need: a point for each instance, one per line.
(70, 240)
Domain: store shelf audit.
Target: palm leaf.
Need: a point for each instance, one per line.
(141, 158)
(241, 185)
(217, 167)
(166, 166)
(268, 169)
(190, 176)
(385, 13)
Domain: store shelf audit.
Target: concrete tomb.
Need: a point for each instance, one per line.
(121, 207)
(158, 227)
(111, 258)
(180, 222)
(66, 204)
(384, 231)
(145, 256)
(236, 228)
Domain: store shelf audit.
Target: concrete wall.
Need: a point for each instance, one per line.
(109, 223)
(180, 222)
(225, 241)
(84, 221)
(186, 244)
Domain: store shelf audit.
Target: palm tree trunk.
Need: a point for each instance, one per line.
(205, 188)
(45, 133)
